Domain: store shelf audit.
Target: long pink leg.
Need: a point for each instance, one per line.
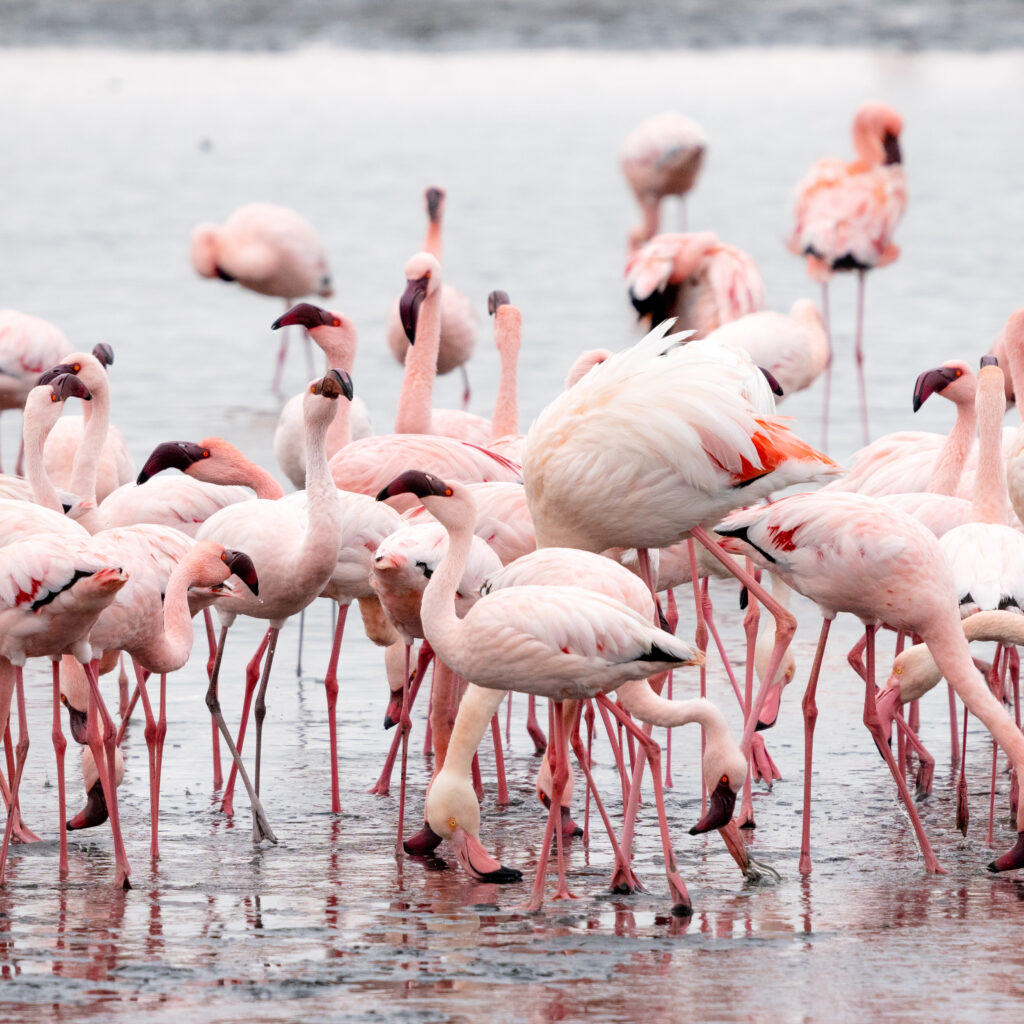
(213, 703)
(499, 762)
(785, 627)
(102, 746)
(60, 744)
(858, 354)
(751, 620)
(508, 719)
(681, 905)
(540, 741)
(588, 715)
(701, 642)
(154, 775)
(331, 689)
(21, 832)
(873, 722)
(810, 709)
(252, 676)
(122, 687)
(218, 778)
(21, 751)
(828, 365)
(259, 714)
(383, 784)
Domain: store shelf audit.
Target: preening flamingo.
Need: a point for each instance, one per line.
(459, 322)
(662, 156)
(847, 213)
(695, 277)
(558, 642)
(267, 249)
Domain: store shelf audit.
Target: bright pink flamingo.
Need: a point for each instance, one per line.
(558, 642)
(267, 249)
(420, 310)
(459, 322)
(28, 345)
(695, 277)
(51, 591)
(847, 552)
(335, 334)
(847, 213)
(662, 156)
(294, 548)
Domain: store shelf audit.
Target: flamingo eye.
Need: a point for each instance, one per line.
(725, 779)
(898, 670)
(452, 823)
(336, 322)
(959, 373)
(75, 367)
(312, 389)
(53, 397)
(206, 453)
(447, 492)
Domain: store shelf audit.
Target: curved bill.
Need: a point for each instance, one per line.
(720, 808)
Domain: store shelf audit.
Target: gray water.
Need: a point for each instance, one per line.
(111, 157)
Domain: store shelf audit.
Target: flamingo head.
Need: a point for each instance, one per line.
(422, 277)
(435, 203)
(333, 384)
(172, 455)
(496, 300)
(104, 354)
(936, 381)
(305, 314)
(876, 134)
(415, 482)
(67, 385)
(241, 566)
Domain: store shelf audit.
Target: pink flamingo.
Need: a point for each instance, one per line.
(847, 552)
(51, 591)
(336, 335)
(703, 282)
(294, 549)
(28, 345)
(267, 249)
(846, 214)
(459, 322)
(662, 156)
(559, 642)
(420, 310)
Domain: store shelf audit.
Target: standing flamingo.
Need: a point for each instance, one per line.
(662, 156)
(459, 322)
(267, 249)
(847, 213)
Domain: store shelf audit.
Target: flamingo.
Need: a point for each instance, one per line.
(268, 249)
(848, 552)
(846, 214)
(51, 591)
(559, 642)
(459, 322)
(294, 549)
(420, 310)
(662, 156)
(335, 334)
(703, 281)
(28, 345)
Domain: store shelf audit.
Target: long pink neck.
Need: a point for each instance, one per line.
(437, 608)
(949, 464)
(990, 495)
(94, 434)
(232, 467)
(508, 322)
(414, 403)
(339, 346)
(1014, 347)
(432, 239)
(171, 649)
(34, 434)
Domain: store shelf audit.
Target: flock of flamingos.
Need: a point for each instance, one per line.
(543, 563)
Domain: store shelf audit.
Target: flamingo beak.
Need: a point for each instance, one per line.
(720, 808)
(78, 720)
(931, 382)
(409, 305)
(305, 314)
(425, 841)
(241, 565)
(93, 813)
(50, 375)
(172, 455)
(393, 712)
(67, 385)
(891, 142)
(104, 354)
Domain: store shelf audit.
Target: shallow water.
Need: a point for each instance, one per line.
(114, 157)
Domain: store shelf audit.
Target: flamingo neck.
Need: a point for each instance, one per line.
(507, 328)
(323, 509)
(338, 345)
(96, 421)
(235, 468)
(950, 462)
(437, 610)
(339, 433)
(414, 402)
(476, 709)
(34, 435)
(990, 494)
(432, 239)
(172, 647)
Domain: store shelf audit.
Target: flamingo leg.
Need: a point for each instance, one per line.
(810, 709)
(302, 632)
(60, 744)
(260, 708)
(540, 741)
(465, 387)
(252, 674)
(21, 752)
(963, 814)
(22, 833)
(874, 725)
(499, 762)
(858, 354)
(213, 703)
(102, 746)
(954, 732)
(154, 777)
(751, 621)
(211, 640)
(588, 715)
(331, 690)
(701, 641)
(383, 784)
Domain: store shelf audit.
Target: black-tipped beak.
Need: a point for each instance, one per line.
(772, 382)
(334, 384)
(424, 842)
(658, 305)
(409, 305)
(435, 197)
(50, 375)
(104, 354)
(305, 314)
(78, 721)
(496, 300)
(241, 565)
(892, 149)
(931, 382)
(172, 455)
(989, 360)
(720, 807)
(416, 482)
(67, 385)
(93, 813)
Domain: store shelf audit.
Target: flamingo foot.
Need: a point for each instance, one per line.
(1012, 859)
(624, 880)
(479, 864)
(765, 769)
(21, 833)
(423, 843)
